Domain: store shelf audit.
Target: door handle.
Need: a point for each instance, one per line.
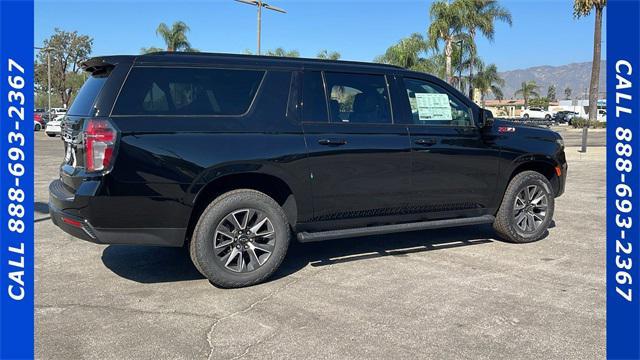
(328, 142)
(425, 142)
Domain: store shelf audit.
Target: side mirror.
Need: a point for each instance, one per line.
(486, 117)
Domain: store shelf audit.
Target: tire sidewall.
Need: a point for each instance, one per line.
(216, 212)
(518, 183)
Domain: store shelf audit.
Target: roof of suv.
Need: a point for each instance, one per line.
(200, 58)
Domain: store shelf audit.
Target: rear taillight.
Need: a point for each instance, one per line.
(99, 143)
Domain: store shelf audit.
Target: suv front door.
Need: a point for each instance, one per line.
(359, 160)
(454, 168)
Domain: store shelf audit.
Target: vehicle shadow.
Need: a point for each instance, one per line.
(41, 208)
(148, 264)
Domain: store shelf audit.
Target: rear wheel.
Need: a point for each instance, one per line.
(38, 127)
(527, 208)
(240, 239)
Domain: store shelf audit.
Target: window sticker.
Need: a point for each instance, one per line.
(433, 107)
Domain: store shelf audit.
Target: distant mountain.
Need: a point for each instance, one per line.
(576, 76)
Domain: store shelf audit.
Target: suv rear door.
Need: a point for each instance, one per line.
(454, 168)
(359, 159)
(94, 99)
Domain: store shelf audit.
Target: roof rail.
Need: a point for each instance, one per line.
(267, 57)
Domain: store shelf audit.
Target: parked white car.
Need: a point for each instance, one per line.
(58, 111)
(53, 128)
(536, 113)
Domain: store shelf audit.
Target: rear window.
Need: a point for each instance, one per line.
(187, 91)
(83, 103)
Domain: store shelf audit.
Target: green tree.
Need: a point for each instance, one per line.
(551, 93)
(446, 26)
(480, 16)
(68, 50)
(282, 52)
(150, 50)
(487, 80)
(326, 54)
(276, 52)
(175, 37)
(528, 89)
(567, 93)
(583, 8)
(539, 102)
(408, 53)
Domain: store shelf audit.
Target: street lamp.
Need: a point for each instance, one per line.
(48, 51)
(260, 4)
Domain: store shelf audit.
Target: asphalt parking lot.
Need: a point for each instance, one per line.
(449, 293)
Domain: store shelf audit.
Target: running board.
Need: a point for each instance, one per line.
(395, 228)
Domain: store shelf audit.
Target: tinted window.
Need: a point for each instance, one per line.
(358, 98)
(83, 103)
(314, 104)
(433, 105)
(187, 91)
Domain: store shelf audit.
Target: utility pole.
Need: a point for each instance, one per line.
(585, 128)
(260, 4)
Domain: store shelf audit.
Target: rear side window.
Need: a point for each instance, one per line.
(83, 103)
(187, 91)
(358, 98)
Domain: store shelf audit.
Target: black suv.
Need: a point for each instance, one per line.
(232, 154)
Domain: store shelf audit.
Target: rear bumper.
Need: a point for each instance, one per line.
(65, 210)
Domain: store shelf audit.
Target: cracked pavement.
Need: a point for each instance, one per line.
(448, 293)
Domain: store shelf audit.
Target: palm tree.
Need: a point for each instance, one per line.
(527, 89)
(487, 80)
(408, 53)
(567, 93)
(480, 15)
(175, 37)
(325, 54)
(583, 8)
(463, 59)
(446, 25)
(551, 93)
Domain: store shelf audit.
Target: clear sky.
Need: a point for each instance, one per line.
(543, 32)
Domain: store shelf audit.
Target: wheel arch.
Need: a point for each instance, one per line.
(269, 184)
(541, 164)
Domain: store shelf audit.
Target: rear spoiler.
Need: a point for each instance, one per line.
(101, 64)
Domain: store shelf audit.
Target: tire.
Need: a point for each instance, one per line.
(51, 135)
(547, 117)
(525, 116)
(224, 265)
(38, 127)
(508, 223)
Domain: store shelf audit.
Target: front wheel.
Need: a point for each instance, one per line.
(527, 208)
(547, 117)
(240, 239)
(525, 116)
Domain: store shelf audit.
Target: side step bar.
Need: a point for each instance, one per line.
(395, 228)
